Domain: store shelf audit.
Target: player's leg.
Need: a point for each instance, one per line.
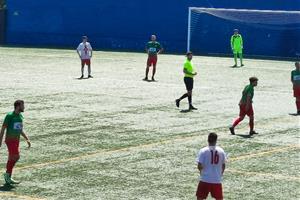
(202, 191)
(154, 62)
(187, 86)
(250, 113)
(297, 96)
(88, 62)
(239, 119)
(190, 93)
(148, 65)
(13, 157)
(217, 191)
(235, 57)
(82, 68)
(241, 56)
(298, 105)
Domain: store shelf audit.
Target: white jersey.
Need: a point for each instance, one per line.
(211, 158)
(85, 50)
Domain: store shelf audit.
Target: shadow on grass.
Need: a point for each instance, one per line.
(185, 111)
(82, 78)
(244, 136)
(6, 187)
(294, 114)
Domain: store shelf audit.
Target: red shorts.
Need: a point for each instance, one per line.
(243, 111)
(215, 189)
(297, 91)
(152, 60)
(85, 61)
(13, 146)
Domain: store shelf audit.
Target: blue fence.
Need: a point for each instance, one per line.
(118, 24)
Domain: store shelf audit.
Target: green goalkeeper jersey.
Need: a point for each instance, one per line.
(236, 42)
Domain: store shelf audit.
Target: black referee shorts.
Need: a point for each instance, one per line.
(189, 83)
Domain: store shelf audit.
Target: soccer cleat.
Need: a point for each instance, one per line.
(252, 133)
(153, 79)
(232, 130)
(90, 76)
(298, 112)
(192, 108)
(145, 79)
(242, 65)
(14, 181)
(7, 178)
(177, 101)
(81, 77)
(234, 66)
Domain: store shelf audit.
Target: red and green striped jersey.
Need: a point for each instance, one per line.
(248, 91)
(14, 125)
(153, 47)
(295, 77)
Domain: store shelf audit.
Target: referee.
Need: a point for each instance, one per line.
(189, 73)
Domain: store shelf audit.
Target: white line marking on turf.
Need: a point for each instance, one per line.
(251, 155)
(267, 175)
(10, 194)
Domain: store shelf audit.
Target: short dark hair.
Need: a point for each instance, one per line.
(297, 63)
(18, 103)
(253, 79)
(84, 37)
(189, 53)
(212, 138)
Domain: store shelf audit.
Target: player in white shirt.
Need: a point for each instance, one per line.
(85, 53)
(211, 164)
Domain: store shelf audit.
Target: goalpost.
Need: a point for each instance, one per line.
(264, 19)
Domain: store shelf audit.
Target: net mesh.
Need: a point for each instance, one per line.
(267, 17)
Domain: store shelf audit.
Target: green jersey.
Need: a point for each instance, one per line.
(189, 67)
(153, 47)
(14, 125)
(295, 77)
(236, 42)
(248, 91)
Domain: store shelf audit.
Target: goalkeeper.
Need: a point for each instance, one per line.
(237, 47)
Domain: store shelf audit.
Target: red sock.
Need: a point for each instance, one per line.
(237, 121)
(10, 165)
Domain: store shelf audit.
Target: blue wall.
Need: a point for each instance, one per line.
(114, 24)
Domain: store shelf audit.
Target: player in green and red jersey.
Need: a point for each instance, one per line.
(153, 48)
(295, 78)
(236, 43)
(246, 106)
(13, 124)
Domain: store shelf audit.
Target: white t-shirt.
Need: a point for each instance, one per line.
(85, 50)
(211, 158)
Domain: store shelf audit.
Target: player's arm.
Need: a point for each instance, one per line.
(200, 167)
(26, 138)
(91, 50)
(231, 42)
(292, 80)
(248, 102)
(160, 49)
(223, 168)
(188, 72)
(77, 50)
(4, 126)
(242, 42)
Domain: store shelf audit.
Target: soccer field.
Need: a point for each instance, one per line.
(118, 137)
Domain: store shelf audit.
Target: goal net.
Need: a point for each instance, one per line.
(265, 32)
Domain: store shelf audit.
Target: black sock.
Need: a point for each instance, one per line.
(184, 96)
(190, 100)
